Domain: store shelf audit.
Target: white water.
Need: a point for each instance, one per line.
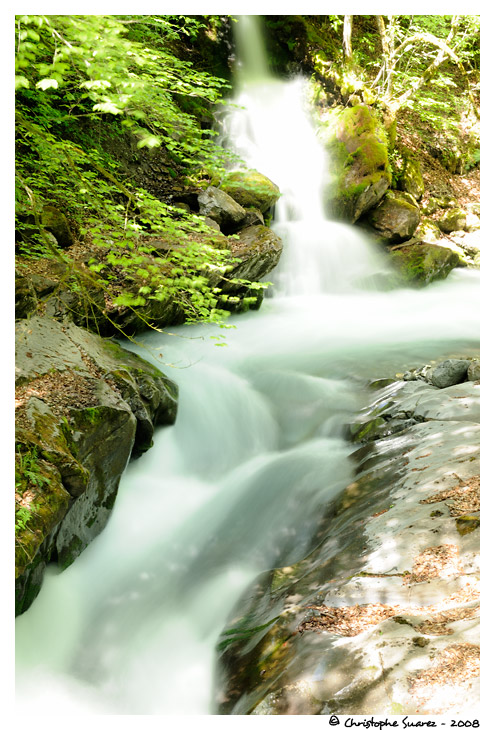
(238, 484)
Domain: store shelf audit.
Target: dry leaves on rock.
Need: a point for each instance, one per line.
(439, 561)
(347, 620)
(465, 497)
(453, 666)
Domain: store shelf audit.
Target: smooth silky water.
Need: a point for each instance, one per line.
(238, 484)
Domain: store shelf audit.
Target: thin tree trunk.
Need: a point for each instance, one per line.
(347, 41)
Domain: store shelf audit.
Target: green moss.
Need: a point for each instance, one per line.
(251, 189)
(420, 264)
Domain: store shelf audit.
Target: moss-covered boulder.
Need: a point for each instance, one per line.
(83, 407)
(53, 220)
(395, 218)
(410, 178)
(251, 189)
(421, 263)
(427, 231)
(359, 172)
(452, 220)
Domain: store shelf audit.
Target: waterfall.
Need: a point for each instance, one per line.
(270, 128)
(239, 484)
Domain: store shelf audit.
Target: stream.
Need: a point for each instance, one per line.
(238, 484)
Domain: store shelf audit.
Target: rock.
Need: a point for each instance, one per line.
(359, 173)
(410, 179)
(426, 232)
(25, 297)
(213, 224)
(254, 217)
(422, 263)
(55, 221)
(342, 631)
(251, 189)
(472, 223)
(84, 405)
(474, 372)
(222, 208)
(449, 372)
(259, 250)
(452, 220)
(395, 218)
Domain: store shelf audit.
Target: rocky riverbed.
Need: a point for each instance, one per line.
(383, 616)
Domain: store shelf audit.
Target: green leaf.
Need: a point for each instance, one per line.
(45, 84)
(21, 82)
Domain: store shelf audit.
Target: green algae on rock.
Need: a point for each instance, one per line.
(83, 407)
(422, 263)
(251, 189)
(360, 171)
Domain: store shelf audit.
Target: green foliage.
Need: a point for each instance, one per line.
(77, 75)
(27, 470)
(28, 476)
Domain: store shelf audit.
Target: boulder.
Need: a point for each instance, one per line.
(449, 372)
(474, 372)
(410, 178)
(452, 220)
(258, 250)
(251, 189)
(427, 232)
(25, 296)
(84, 405)
(359, 173)
(222, 208)
(255, 250)
(395, 218)
(55, 221)
(421, 263)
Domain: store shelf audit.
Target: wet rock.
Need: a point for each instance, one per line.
(338, 631)
(84, 405)
(449, 372)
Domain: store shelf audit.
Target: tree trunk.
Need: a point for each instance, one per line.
(347, 41)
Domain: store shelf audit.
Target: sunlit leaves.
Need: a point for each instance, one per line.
(45, 84)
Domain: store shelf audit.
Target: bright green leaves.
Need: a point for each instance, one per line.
(45, 84)
(98, 70)
(79, 77)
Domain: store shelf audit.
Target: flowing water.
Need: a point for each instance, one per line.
(237, 486)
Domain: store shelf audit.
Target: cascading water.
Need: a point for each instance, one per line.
(238, 485)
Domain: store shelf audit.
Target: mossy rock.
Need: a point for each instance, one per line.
(427, 231)
(452, 220)
(422, 263)
(396, 217)
(84, 404)
(55, 221)
(410, 178)
(251, 189)
(359, 173)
